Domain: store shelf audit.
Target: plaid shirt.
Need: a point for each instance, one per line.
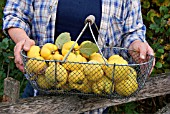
(121, 21)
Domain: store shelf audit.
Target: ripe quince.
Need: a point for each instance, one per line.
(36, 65)
(34, 51)
(103, 86)
(42, 83)
(56, 75)
(68, 45)
(113, 57)
(73, 62)
(98, 57)
(93, 70)
(87, 88)
(49, 51)
(126, 87)
(77, 80)
(118, 70)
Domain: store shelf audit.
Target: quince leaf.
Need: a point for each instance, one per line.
(88, 48)
(62, 39)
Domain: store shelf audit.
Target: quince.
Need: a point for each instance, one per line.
(77, 80)
(68, 45)
(93, 70)
(98, 57)
(49, 51)
(126, 87)
(56, 75)
(127, 73)
(118, 70)
(36, 65)
(73, 62)
(113, 57)
(33, 52)
(103, 86)
(87, 88)
(42, 83)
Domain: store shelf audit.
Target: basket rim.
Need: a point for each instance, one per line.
(131, 64)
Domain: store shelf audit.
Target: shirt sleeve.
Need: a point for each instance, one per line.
(18, 13)
(133, 27)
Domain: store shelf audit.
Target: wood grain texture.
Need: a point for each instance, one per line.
(155, 86)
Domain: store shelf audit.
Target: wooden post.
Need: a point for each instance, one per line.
(11, 90)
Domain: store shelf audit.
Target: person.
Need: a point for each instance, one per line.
(32, 22)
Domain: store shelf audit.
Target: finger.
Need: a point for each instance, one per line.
(150, 50)
(143, 51)
(17, 51)
(28, 44)
(20, 67)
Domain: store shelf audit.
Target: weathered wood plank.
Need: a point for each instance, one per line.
(164, 110)
(155, 86)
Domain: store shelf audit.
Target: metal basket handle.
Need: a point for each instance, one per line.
(90, 20)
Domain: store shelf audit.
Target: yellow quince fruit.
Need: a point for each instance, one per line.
(93, 70)
(42, 83)
(36, 65)
(56, 75)
(34, 51)
(68, 45)
(98, 57)
(73, 62)
(49, 51)
(103, 86)
(113, 57)
(126, 87)
(126, 73)
(87, 88)
(77, 80)
(117, 68)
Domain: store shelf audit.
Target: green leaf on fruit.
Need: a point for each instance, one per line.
(88, 48)
(62, 39)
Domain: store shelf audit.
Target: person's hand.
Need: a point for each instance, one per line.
(143, 48)
(24, 44)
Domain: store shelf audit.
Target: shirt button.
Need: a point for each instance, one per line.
(50, 7)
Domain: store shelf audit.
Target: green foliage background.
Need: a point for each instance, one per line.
(156, 15)
(7, 65)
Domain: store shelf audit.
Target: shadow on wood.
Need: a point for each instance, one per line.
(155, 86)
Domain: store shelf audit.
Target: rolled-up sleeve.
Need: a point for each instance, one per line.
(133, 27)
(18, 14)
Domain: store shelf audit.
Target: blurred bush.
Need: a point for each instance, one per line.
(156, 16)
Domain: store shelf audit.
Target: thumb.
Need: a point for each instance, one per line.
(28, 44)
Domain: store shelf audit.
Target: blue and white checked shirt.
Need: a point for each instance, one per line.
(121, 21)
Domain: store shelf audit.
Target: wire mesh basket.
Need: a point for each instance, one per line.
(121, 74)
(85, 78)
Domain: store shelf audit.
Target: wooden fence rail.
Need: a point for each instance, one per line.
(155, 86)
